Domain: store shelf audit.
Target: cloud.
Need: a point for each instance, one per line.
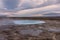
(37, 11)
(25, 4)
(29, 8)
(28, 4)
(1, 4)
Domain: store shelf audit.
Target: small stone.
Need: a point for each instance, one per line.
(31, 32)
(54, 29)
(2, 37)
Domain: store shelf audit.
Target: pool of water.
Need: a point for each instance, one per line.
(24, 22)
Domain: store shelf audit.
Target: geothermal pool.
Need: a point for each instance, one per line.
(25, 22)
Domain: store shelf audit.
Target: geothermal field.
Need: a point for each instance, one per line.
(48, 30)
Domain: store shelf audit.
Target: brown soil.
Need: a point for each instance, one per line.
(12, 32)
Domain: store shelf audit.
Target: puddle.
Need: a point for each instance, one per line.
(25, 22)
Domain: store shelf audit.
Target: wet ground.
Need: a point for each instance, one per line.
(48, 31)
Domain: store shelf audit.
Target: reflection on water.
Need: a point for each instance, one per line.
(19, 22)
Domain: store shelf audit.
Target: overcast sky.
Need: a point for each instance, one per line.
(26, 4)
(29, 7)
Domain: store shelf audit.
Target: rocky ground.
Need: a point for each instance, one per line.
(48, 31)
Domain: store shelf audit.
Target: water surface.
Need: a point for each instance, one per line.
(19, 22)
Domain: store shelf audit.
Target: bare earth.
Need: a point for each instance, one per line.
(48, 31)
